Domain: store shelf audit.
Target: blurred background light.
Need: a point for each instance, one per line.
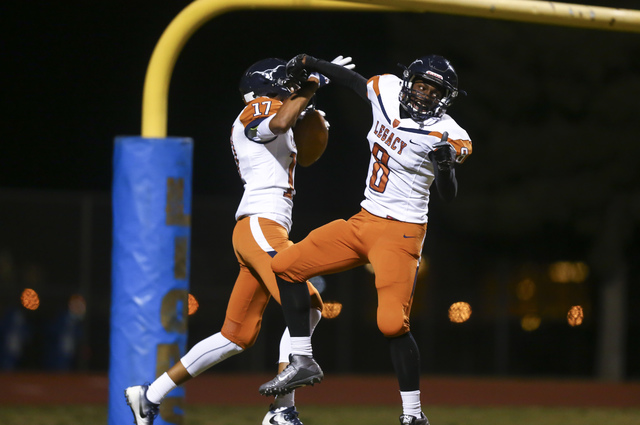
(530, 322)
(30, 299)
(193, 304)
(575, 315)
(526, 289)
(568, 272)
(319, 283)
(459, 312)
(331, 309)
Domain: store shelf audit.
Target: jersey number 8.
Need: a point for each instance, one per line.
(380, 170)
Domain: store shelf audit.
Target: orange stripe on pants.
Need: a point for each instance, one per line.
(256, 282)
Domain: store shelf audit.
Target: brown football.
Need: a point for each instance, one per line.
(311, 136)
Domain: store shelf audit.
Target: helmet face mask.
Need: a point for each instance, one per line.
(434, 71)
(422, 103)
(267, 77)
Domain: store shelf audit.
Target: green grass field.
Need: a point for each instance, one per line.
(319, 415)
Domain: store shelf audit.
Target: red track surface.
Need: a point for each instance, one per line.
(211, 388)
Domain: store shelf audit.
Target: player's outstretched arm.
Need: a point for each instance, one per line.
(340, 70)
(292, 107)
(443, 158)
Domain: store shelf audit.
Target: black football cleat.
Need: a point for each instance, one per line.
(301, 371)
(412, 420)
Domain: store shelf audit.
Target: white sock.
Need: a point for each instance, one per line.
(314, 317)
(301, 345)
(285, 342)
(160, 388)
(411, 403)
(285, 347)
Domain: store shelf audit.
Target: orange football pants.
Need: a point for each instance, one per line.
(255, 241)
(392, 247)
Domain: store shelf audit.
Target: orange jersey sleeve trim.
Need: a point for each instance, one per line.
(376, 84)
(462, 146)
(259, 108)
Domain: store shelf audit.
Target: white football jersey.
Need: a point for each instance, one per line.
(400, 173)
(266, 163)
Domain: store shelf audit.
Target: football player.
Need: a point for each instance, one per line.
(413, 143)
(264, 150)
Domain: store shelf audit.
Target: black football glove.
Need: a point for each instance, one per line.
(443, 154)
(296, 69)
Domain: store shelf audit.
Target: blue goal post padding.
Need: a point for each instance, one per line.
(150, 268)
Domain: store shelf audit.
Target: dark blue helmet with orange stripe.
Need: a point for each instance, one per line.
(436, 71)
(267, 77)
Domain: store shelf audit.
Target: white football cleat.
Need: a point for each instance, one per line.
(144, 412)
(281, 416)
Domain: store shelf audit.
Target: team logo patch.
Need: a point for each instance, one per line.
(268, 73)
(396, 123)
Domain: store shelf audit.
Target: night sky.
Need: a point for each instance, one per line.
(73, 77)
(552, 112)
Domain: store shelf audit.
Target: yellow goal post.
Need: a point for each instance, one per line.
(187, 22)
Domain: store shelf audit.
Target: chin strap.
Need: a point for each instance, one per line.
(248, 97)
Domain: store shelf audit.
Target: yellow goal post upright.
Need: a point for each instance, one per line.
(151, 191)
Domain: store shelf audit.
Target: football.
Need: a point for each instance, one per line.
(311, 136)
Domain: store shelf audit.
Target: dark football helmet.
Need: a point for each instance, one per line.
(267, 77)
(434, 70)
